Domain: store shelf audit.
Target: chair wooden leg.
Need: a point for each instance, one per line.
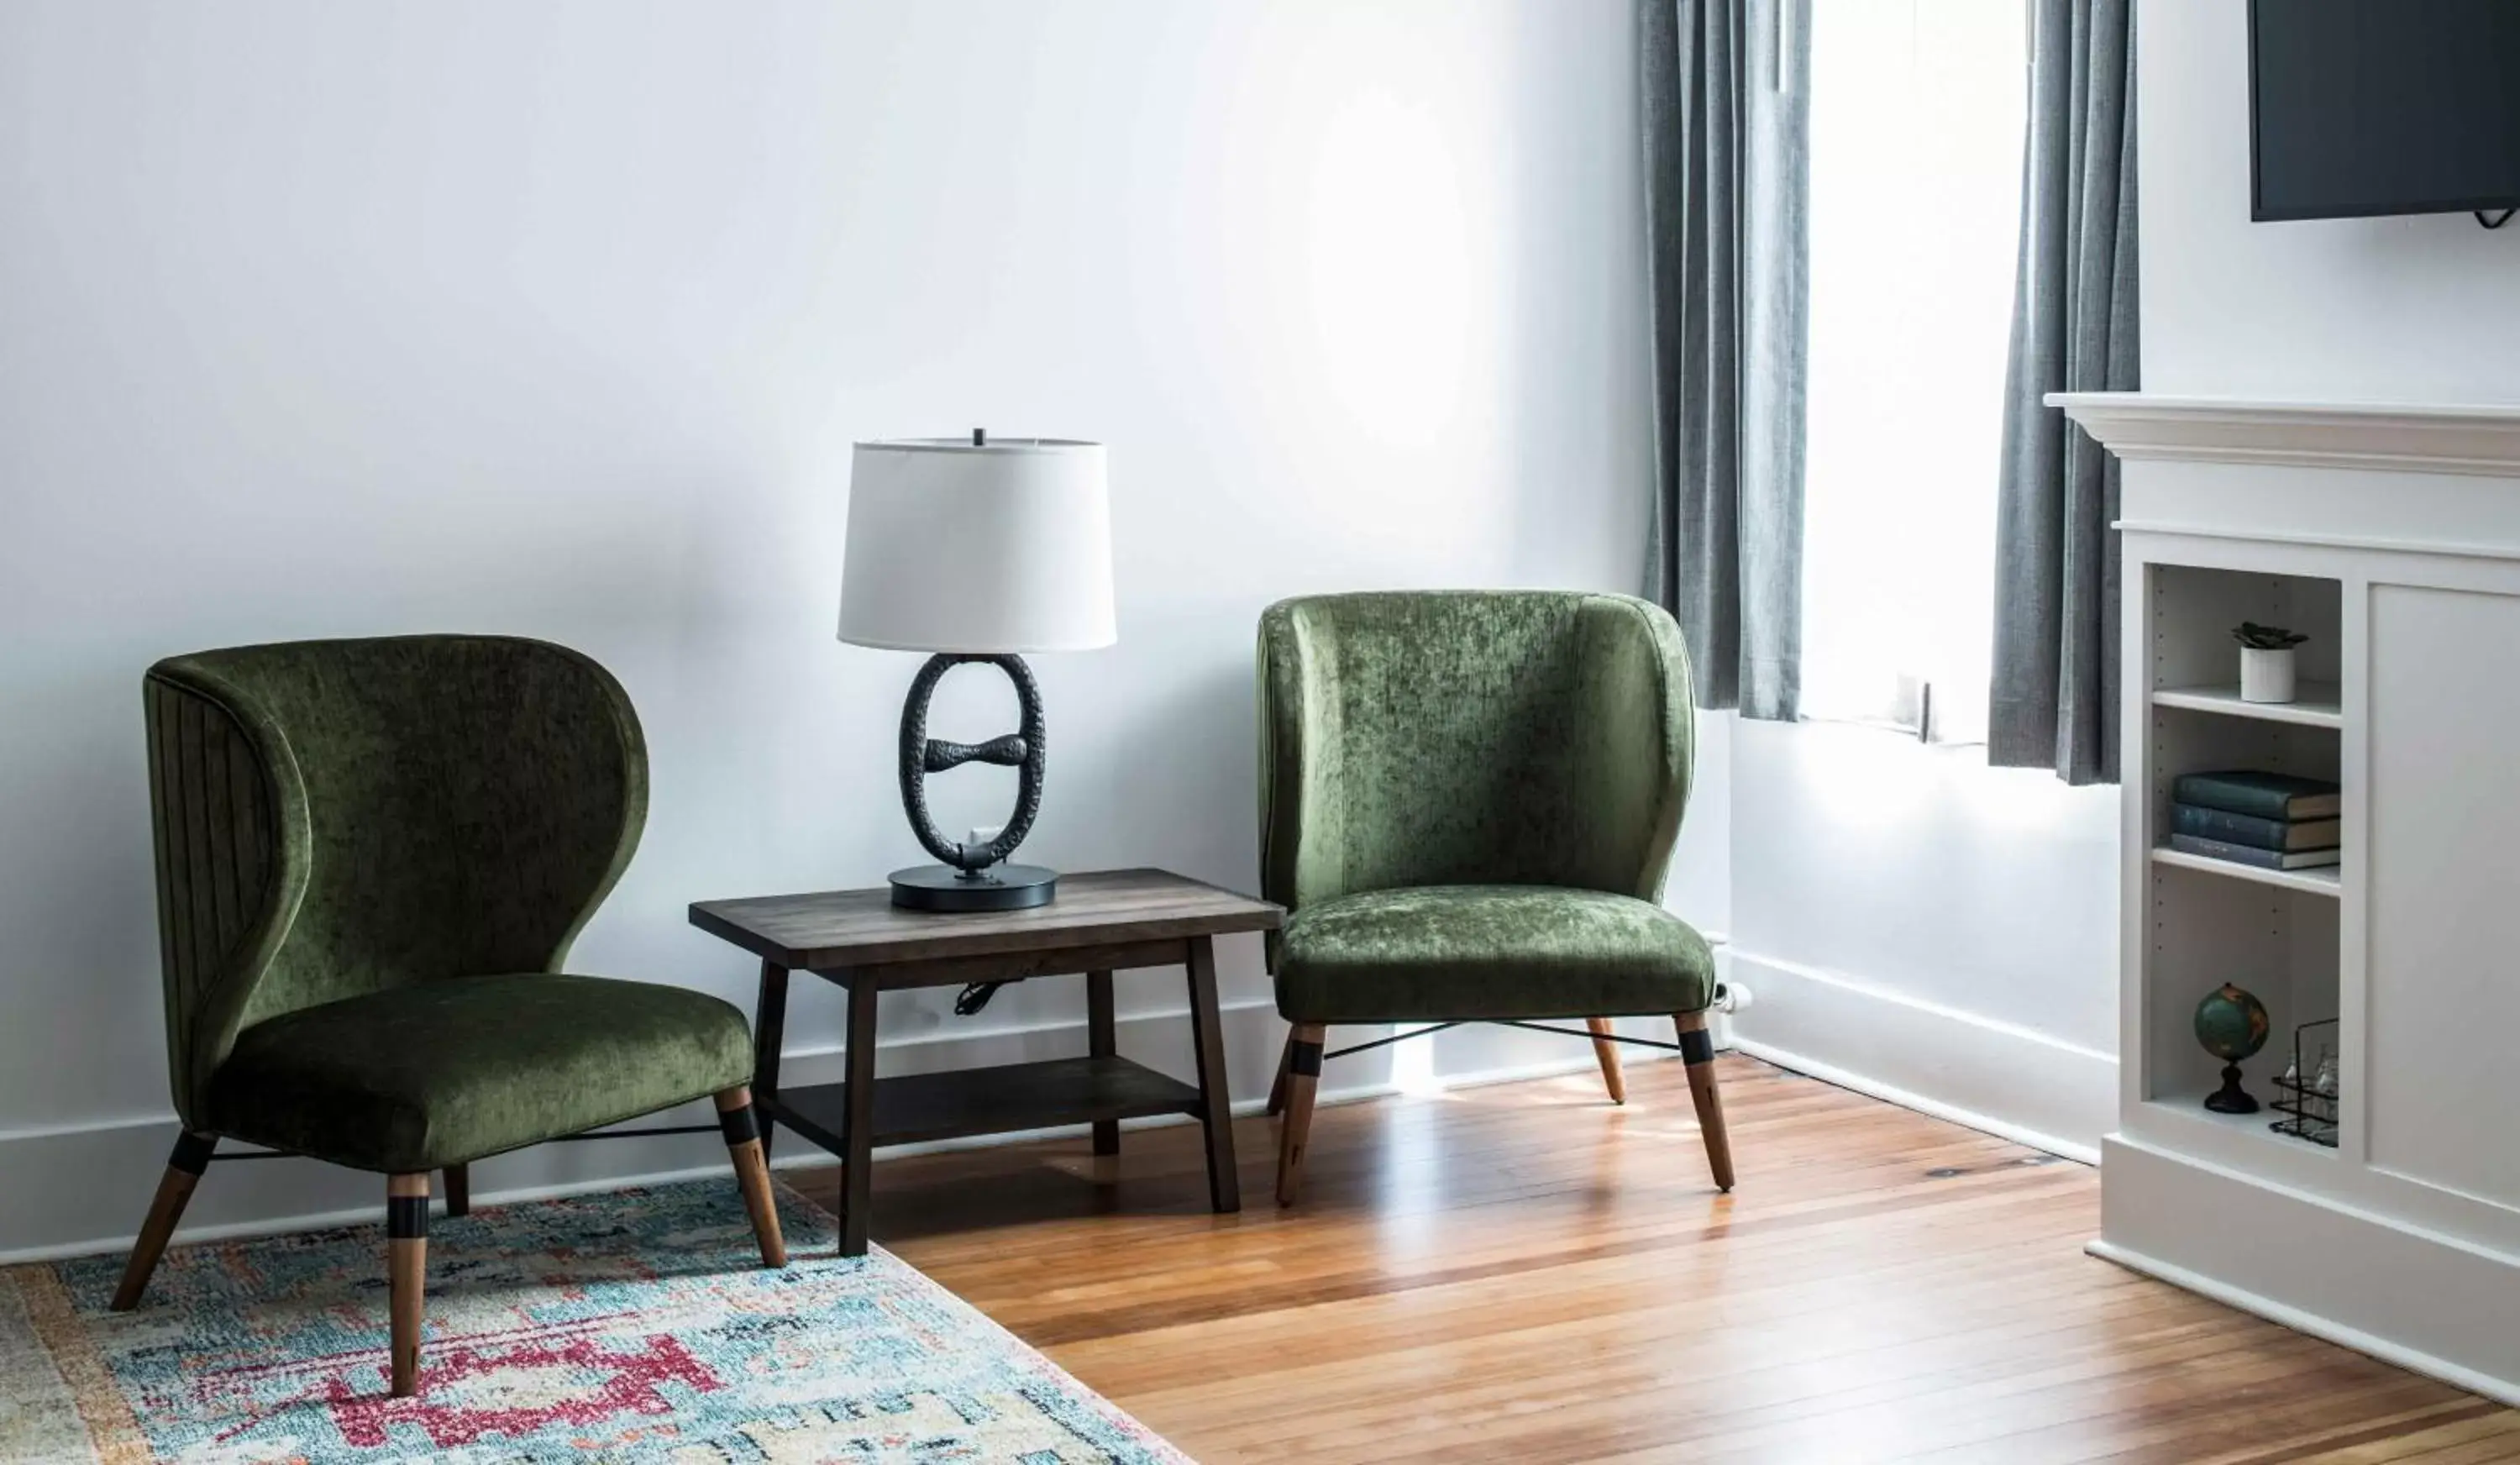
(407, 1271)
(735, 1119)
(1698, 1053)
(1278, 1090)
(1303, 1075)
(459, 1190)
(174, 1189)
(1607, 1052)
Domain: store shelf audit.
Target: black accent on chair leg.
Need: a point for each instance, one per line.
(192, 1153)
(1294, 1131)
(752, 1172)
(459, 1190)
(407, 1273)
(1697, 1058)
(406, 1218)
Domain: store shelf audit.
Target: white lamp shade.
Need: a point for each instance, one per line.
(979, 549)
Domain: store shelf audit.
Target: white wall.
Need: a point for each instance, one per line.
(1919, 926)
(2424, 308)
(558, 319)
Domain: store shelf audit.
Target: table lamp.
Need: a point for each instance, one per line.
(976, 551)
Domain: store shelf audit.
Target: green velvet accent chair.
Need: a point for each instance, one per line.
(373, 857)
(1468, 806)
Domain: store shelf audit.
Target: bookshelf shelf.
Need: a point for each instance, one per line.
(2318, 705)
(2326, 881)
(2187, 1108)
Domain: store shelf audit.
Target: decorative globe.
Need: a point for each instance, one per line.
(2231, 1024)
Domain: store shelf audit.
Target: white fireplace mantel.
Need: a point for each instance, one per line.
(2389, 537)
(2389, 479)
(2138, 427)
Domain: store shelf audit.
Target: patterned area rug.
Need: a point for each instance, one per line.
(633, 1326)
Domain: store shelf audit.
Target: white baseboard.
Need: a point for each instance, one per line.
(2407, 1298)
(80, 1190)
(2414, 1361)
(1979, 1072)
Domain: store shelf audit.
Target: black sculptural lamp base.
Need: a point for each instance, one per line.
(2231, 1098)
(1000, 887)
(973, 877)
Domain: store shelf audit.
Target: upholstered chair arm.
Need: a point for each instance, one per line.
(1299, 762)
(600, 758)
(1636, 709)
(233, 844)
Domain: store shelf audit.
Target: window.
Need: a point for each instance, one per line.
(1917, 116)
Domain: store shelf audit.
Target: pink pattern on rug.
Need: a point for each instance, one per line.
(632, 1387)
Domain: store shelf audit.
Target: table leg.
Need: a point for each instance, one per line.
(1216, 1102)
(1102, 1040)
(857, 1175)
(769, 1032)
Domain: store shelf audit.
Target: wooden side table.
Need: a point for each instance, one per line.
(1103, 921)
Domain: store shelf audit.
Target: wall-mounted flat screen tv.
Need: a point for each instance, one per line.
(2380, 107)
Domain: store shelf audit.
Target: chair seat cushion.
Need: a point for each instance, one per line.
(1446, 953)
(443, 1072)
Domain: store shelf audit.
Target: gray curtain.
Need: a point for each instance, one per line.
(1726, 128)
(2055, 682)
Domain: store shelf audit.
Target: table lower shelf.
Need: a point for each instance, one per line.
(996, 1100)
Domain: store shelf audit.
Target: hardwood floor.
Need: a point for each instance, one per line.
(1527, 1273)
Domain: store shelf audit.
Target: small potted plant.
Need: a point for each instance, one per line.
(2265, 661)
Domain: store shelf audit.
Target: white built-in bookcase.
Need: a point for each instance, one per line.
(2273, 932)
(2391, 535)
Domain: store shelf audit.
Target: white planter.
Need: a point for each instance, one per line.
(2265, 675)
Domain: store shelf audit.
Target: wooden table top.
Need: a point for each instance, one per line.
(842, 928)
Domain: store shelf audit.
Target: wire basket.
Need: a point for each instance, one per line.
(2306, 1092)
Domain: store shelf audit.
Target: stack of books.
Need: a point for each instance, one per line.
(2271, 820)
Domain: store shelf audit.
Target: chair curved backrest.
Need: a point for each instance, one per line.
(1449, 737)
(336, 817)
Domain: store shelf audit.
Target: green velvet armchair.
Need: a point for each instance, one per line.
(373, 857)
(1467, 805)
